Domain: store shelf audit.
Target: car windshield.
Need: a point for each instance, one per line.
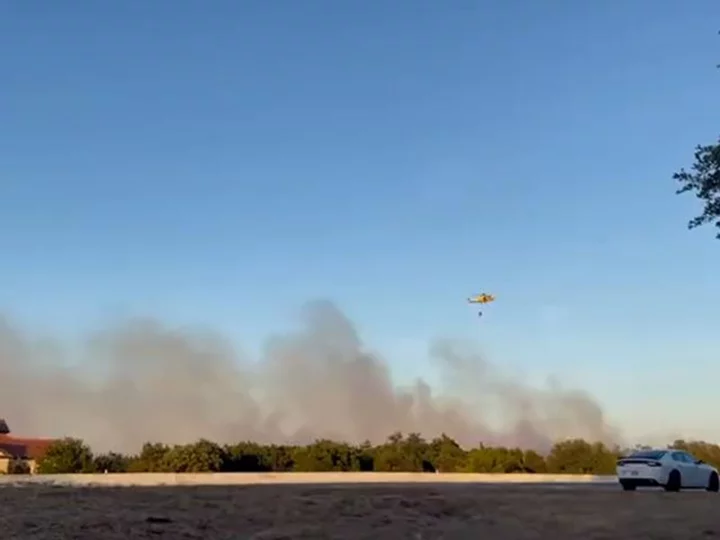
(649, 454)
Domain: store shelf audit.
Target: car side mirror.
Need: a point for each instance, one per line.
(699, 462)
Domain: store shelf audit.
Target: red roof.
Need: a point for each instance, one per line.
(24, 448)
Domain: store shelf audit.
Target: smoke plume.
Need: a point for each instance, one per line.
(141, 381)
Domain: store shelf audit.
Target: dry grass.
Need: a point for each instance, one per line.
(390, 512)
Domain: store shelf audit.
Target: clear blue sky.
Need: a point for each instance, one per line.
(220, 163)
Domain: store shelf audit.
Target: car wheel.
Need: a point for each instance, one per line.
(628, 486)
(674, 481)
(713, 483)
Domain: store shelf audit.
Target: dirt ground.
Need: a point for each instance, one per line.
(352, 512)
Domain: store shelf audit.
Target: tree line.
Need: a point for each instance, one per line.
(411, 453)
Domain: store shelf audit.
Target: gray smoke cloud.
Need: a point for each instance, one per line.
(141, 381)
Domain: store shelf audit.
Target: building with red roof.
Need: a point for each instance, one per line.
(20, 453)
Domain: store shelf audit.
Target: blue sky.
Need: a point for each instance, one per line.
(221, 165)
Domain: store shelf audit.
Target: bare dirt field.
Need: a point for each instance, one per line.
(391, 512)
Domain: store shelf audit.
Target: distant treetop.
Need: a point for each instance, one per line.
(4, 429)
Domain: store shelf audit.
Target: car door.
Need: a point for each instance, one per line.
(699, 473)
(687, 469)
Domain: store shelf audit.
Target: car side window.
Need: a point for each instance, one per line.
(678, 456)
(689, 458)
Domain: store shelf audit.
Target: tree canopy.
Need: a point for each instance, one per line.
(399, 453)
(67, 455)
(703, 180)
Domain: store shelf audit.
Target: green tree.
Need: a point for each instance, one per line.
(66, 456)
(366, 456)
(402, 455)
(326, 456)
(111, 462)
(417, 449)
(534, 462)
(202, 456)
(446, 455)
(489, 459)
(247, 457)
(150, 459)
(398, 454)
(704, 181)
(577, 456)
(280, 457)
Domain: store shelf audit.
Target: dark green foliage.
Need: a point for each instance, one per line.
(66, 456)
(247, 457)
(111, 463)
(704, 180)
(279, 457)
(327, 456)
(577, 456)
(446, 455)
(399, 453)
(501, 460)
(534, 462)
(151, 459)
(403, 455)
(202, 456)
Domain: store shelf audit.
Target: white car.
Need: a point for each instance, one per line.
(672, 469)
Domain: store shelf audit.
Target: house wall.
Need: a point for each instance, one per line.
(20, 466)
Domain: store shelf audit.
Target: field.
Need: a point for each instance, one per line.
(378, 512)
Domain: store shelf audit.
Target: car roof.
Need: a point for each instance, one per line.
(650, 451)
(658, 450)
